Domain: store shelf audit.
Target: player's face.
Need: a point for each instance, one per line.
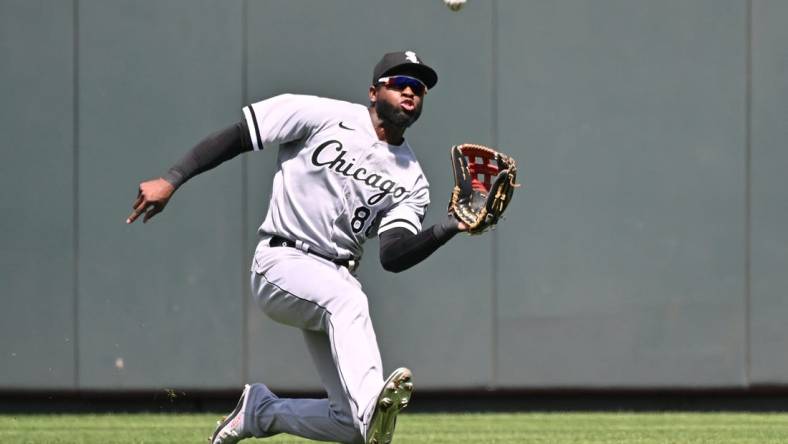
(396, 104)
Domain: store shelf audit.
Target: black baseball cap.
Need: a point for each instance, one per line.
(405, 63)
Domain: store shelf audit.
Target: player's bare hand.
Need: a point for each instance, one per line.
(152, 197)
(461, 226)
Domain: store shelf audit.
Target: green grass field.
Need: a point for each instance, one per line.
(553, 428)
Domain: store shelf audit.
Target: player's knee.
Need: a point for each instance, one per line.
(348, 431)
(356, 436)
(351, 433)
(358, 439)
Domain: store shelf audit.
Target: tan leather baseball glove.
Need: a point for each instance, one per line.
(484, 182)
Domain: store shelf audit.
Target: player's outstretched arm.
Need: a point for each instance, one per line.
(220, 146)
(400, 249)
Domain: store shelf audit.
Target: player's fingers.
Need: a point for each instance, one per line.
(137, 211)
(134, 215)
(154, 210)
(137, 201)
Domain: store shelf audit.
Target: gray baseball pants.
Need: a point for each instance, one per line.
(327, 303)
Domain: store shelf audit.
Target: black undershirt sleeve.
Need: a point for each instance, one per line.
(400, 249)
(220, 146)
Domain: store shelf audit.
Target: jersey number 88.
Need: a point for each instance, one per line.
(360, 217)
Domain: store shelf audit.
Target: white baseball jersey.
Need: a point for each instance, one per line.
(337, 184)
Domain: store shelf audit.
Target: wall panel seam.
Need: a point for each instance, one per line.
(748, 196)
(75, 189)
(494, 287)
(245, 284)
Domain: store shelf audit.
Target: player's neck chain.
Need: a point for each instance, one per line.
(340, 165)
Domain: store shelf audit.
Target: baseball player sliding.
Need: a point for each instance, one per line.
(345, 174)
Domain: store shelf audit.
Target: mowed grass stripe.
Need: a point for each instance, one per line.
(598, 428)
(553, 428)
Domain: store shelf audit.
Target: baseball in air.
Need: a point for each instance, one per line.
(455, 5)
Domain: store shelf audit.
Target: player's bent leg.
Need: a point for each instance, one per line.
(261, 414)
(347, 339)
(357, 357)
(300, 291)
(320, 419)
(320, 350)
(269, 415)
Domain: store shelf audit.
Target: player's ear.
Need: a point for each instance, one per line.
(373, 94)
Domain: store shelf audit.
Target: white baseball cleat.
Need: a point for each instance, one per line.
(394, 397)
(231, 429)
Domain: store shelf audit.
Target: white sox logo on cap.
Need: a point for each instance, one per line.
(404, 63)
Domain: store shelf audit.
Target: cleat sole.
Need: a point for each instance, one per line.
(394, 397)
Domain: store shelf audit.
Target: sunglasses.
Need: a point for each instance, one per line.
(399, 83)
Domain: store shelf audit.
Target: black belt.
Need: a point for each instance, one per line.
(278, 241)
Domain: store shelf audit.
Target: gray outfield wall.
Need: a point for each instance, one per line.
(647, 248)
